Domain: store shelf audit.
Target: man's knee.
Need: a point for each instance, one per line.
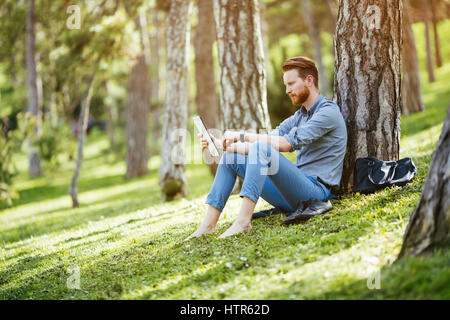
(260, 149)
(264, 153)
(232, 159)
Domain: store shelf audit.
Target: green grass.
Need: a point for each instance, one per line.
(128, 244)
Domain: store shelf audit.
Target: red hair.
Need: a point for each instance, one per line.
(304, 66)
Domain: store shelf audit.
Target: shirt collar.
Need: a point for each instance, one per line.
(313, 107)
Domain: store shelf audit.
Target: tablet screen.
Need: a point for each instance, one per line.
(201, 127)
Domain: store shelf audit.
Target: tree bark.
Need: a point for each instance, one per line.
(429, 225)
(411, 89)
(265, 37)
(206, 97)
(430, 67)
(242, 75)
(138, 107)
(172, 171)
(33, 95)
(367, 80)
(314, 34)
(155, 45)
(437, 45)
(82, 126)
(137, 113)
(156, 104)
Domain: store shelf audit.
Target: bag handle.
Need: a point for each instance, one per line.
(386, 178)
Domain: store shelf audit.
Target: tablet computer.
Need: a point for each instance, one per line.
(201, 127)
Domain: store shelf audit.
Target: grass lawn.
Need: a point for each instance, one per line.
(124, 243)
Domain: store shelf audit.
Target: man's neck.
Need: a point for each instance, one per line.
(311, 99)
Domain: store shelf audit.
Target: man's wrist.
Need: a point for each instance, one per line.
(242, 136)
(248, 137)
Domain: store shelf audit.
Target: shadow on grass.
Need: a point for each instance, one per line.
(72, 219)
(68, 218)
(108, 232)
(407, 278)
(22, 266)
(33, 286)
(344, 227)
(136, 267)
(49, 192)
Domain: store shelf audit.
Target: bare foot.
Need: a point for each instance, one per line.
(235, 229)
(199, 232)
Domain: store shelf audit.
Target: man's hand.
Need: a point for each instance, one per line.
(230, 137)
(225, 145)
(219, 143)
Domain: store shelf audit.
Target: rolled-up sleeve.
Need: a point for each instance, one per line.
(321, 122)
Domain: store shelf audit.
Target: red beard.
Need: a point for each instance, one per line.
(301, 97)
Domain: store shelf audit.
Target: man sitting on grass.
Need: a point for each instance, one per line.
(317, 131)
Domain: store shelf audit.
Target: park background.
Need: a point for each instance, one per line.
(124, 241)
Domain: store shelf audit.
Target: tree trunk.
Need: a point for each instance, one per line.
(242, 75)
(314, 35)
(367, 80)
(69, 104)
(54, 118)
(52, 102)
(332, 10)
(139, 97)
(33, 95)
(411, 90)
(172, 171)
(447, 4)
(265, 37)
(156, 105)
(437, 45)
(429, 225)
(430, 67)
(141, 24)
(155, 55)
(206, 97)
(82, 126)
(138, 107)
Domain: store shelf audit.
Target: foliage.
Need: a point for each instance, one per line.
(11, 143)
(7, 192)
(55, 141)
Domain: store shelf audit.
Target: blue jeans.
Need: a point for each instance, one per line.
(266, 173)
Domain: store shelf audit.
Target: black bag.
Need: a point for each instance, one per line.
(372, 174)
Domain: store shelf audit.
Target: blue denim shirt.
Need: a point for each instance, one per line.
(320, 138)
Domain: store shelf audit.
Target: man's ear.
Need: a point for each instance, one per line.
(310, 80)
